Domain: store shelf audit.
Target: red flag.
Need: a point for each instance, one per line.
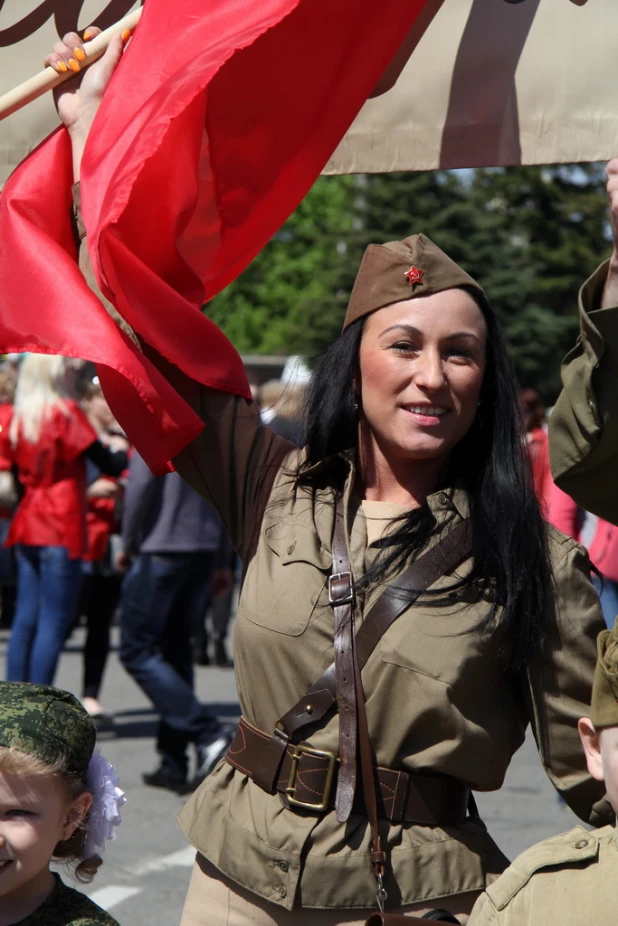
(216, 123)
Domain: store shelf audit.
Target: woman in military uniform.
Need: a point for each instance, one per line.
(413, 437)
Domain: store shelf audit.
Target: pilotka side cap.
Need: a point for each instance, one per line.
(402, 270)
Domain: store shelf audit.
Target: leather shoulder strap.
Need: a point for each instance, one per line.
(453, 549)
(341, 599)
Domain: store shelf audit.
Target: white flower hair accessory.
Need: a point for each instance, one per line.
(107, 799)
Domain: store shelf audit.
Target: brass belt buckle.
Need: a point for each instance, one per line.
(296, 755)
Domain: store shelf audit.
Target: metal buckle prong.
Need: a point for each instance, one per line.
(337, 599)
(296, 755)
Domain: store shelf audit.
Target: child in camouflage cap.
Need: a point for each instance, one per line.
(59, 799)
(570, 879)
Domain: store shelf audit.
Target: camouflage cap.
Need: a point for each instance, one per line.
(604, 708)
(48, 723)
(402, 270)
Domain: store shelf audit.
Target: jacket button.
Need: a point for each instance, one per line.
(581, 844)
(291, 548)
(284, 866)
(443, 499)
(282, 891)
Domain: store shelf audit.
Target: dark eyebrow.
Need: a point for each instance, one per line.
(409, 328)
(457, 335)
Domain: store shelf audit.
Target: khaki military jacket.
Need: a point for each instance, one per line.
(438, 697)
(583, 427)
(568, 880)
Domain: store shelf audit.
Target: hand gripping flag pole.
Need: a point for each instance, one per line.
(48, 79)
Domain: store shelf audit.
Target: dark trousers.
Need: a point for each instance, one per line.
(162, 594)
(98, 598)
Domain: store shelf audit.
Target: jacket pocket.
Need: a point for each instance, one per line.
(286, 581)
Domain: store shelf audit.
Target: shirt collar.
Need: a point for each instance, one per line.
(441, 502)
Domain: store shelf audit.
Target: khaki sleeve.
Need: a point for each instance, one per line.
(233, 464)
(557, 682)
(484, 913)
(234, 461)
(583, 427)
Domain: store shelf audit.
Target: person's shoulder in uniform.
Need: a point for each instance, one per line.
(564, 879)
(68, 907)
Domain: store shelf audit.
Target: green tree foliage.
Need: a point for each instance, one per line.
(529, 235)
(286, 300)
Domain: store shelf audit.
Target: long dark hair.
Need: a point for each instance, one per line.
(491, 463)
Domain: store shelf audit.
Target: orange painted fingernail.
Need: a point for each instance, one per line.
(62, 66)
(73, 64)
(87, 35)
(80, 54)
(126, 35)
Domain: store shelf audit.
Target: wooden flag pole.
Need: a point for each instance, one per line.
(47, 79)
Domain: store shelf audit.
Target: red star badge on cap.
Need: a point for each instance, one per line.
(414, 275)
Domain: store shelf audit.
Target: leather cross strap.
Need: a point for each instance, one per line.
(394, 600)
(445, 556)
(341, 600)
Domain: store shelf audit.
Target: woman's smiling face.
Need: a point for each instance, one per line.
(421, 371)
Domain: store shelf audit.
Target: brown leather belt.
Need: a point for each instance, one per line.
(307, 779)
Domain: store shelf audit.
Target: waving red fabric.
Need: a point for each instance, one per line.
(218, 120)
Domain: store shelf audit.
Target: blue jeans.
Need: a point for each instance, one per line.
(609, 598)
(162, 596)
(47, 587)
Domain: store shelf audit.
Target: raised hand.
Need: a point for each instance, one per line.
(77, 100)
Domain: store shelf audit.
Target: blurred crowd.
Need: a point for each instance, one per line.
(89, 536)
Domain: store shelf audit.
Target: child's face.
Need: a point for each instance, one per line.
(602, 756)
(34, 816)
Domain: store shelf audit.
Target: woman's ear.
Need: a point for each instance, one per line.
(592, 747)
(76, 814)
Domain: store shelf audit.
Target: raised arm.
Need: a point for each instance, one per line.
(583, 428)
(235, 460)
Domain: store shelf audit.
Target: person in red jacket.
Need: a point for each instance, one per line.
(8, 499)
(48, 439)
(101, 582)
(538, 444)
(601, 541)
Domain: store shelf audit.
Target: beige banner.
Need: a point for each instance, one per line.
(493, 82)
(28, 29)
(489, 82)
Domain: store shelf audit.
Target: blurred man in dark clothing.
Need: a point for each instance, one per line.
(176, 548)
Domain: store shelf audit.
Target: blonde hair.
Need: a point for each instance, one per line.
(15, 762)
(40, 389)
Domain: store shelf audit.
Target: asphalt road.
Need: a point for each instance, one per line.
(146, 871)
